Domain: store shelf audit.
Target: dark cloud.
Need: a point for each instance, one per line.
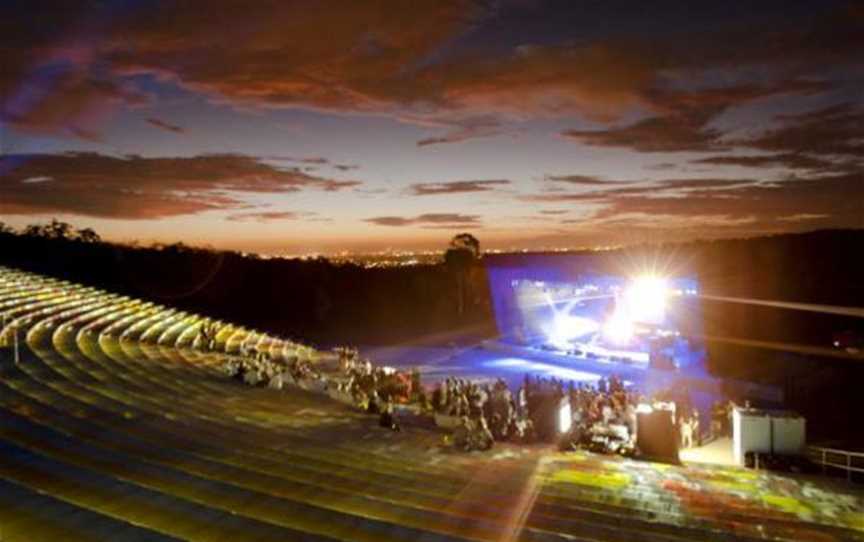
(655, 134)
(582, 180)
(705, 207)
(62, 63)
(437, 141)
(672, 187)
(54, 80)
(57, 96)
(400, 59)
(662, 166)
(346, 167)
(836, 130)
(456, 187)
(166, 126)
(836, 201)
(367, 62)
(444, 220)
(785, 160)
(371, 191)
(464, 129)
(134, 187)
(267, 216)
(318, 160)
(683, 125)
(553, 211)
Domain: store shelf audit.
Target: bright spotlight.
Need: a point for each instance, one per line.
(646, 299)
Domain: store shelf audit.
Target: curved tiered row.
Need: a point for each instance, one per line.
(115, 425)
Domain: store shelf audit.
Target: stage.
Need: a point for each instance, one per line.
(716, 452)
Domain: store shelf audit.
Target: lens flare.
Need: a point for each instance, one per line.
(618, 329)
(645, 298)
(566, 328)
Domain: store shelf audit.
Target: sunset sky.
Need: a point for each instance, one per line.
(323, 125)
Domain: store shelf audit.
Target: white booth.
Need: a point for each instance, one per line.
(766, 431)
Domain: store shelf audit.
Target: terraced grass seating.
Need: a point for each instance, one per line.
(116, 425)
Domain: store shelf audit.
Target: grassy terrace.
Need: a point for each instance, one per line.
(115, 427)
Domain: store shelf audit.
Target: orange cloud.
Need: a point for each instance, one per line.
(135, 187)
(268, 216)
(456, 187)
(435, 220)
(397, 58)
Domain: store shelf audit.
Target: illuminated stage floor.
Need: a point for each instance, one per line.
(492, 359)
(108, 439)
(480, 363)
(716, 452)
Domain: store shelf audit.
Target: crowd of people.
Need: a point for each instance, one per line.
(483, 413)
(599, 417)
(376, 389)
(603, 414)
(255, 367)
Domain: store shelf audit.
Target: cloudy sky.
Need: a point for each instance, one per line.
(320, 125)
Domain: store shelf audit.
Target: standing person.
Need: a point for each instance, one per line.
(730, 409)
(486, 440)
(606, 412)
(437, 404)
(387, 420)
(416, 387)
(630, 416)
(694, 420)
(716, 420)
(522, 401)
(686, 433)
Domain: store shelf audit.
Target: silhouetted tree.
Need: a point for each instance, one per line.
(463, 252)
(59, 230)
(33, 230)
(53, 230)
(88, 235)
(468, 242)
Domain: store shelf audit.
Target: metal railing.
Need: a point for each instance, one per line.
(837, 459)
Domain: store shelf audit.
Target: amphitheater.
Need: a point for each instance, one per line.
(114, 425)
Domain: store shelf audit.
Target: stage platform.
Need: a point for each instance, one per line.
(716, 452)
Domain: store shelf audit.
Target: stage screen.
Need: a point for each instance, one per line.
(642, 319)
